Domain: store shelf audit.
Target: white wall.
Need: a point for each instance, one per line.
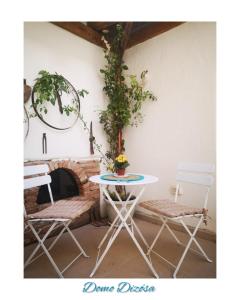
(51, 48)
(180, 126)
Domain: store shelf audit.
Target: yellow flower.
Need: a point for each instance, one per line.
(124, 157)
(110, 167)
(121, 158)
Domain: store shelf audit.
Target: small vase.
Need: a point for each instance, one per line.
(121, 172)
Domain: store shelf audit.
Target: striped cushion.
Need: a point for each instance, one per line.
(169, 209)
(63, 209)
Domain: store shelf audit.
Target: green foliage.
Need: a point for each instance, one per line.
(125, 99)
(48, 87)
(119, 165)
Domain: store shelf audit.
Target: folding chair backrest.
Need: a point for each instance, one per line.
(34, 170)
(36, 181)
(195, 173)
(196, 167)
(200, 179)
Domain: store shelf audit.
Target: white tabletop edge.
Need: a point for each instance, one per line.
(147, 180)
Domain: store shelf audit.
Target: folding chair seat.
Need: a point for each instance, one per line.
(58, 214)
(63, 209)
(170, 209)
(197, 174)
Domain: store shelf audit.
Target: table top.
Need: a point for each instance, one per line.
(147, 179)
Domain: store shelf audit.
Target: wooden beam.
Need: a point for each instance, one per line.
(82, 31)
(100, 25)
(126, 35)
(149, 31)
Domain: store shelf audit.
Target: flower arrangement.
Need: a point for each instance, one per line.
(121, 163)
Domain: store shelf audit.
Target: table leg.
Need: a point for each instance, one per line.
(107, 233)
(142, 252)
(110, 242)
(140, 234)
(123, 223)
(112, 225)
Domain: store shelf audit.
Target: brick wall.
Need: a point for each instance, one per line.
(81, 171)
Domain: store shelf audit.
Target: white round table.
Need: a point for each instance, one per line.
(134, 184)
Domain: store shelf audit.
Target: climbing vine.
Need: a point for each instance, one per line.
(126, 95)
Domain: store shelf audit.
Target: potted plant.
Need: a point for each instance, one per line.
(120, 164)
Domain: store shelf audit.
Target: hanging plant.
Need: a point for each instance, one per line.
(126, 95)
(50, 89)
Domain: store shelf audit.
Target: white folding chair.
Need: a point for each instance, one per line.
(193, 173)
(58, 214)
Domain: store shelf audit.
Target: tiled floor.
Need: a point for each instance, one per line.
(123, 260)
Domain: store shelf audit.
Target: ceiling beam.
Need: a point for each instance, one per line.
(149, 31)
(82, 31)
(100, 25)
(126, 35)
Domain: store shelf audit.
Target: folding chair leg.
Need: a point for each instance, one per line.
(139, 232)
(197, 244)
(74, 239)
(202, 251)
(132, 228)
(192, 235)
(157, 236)
(56, 239)
(41, 244)
(29, 260)
(50, 246)
(173, 234)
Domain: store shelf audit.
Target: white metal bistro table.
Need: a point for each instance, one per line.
(123, 214)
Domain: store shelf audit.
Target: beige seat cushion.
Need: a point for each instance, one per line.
(63, 209)
(169, 209)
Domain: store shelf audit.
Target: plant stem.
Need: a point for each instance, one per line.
(59, 102)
